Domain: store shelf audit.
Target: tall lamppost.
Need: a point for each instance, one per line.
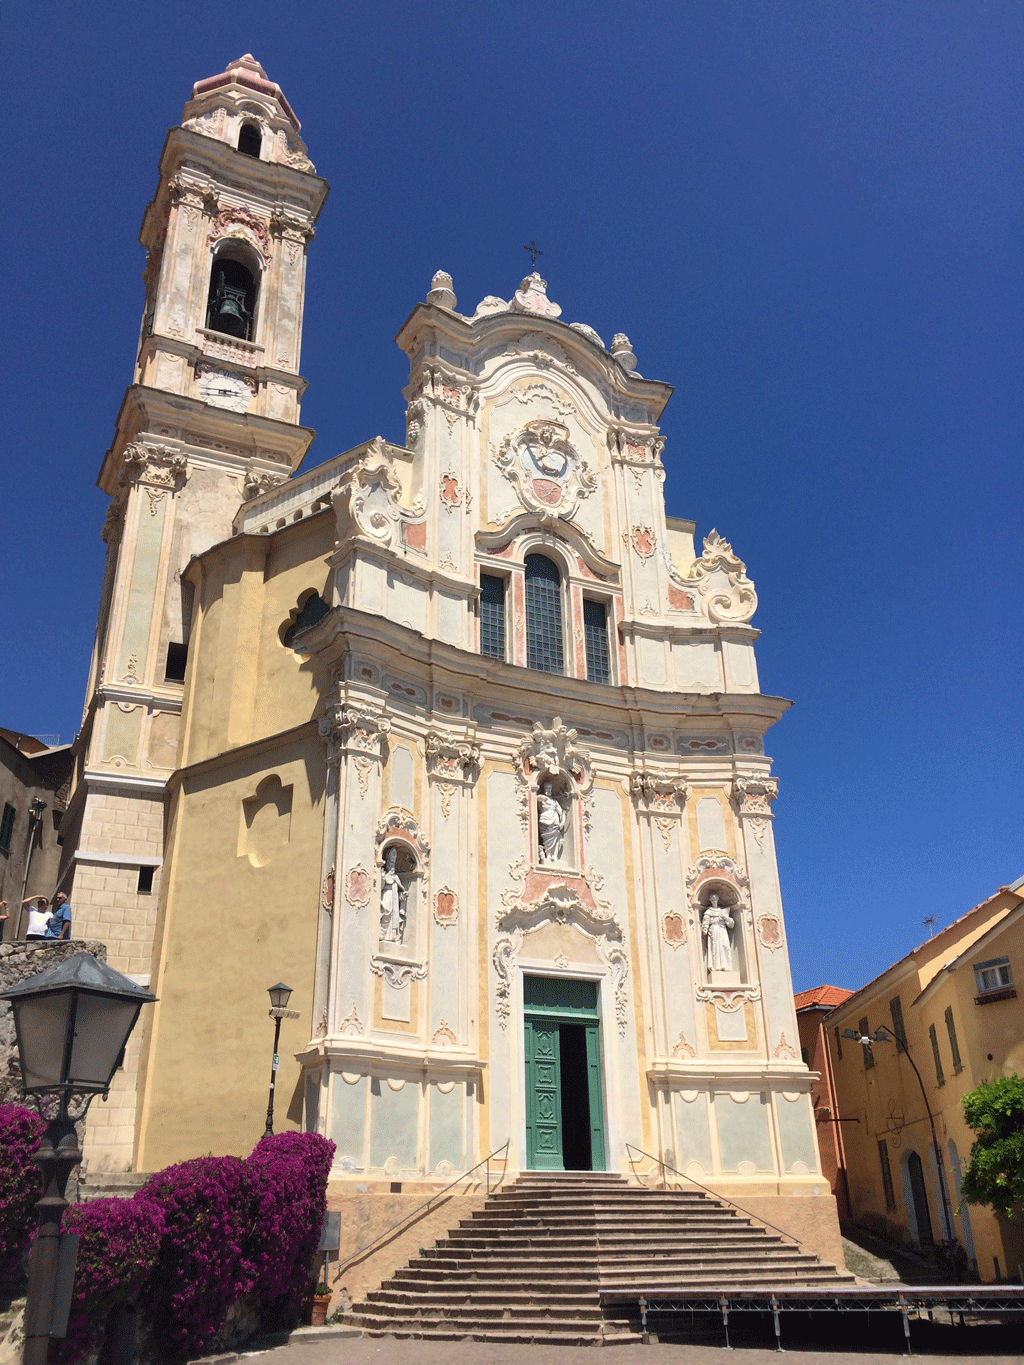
(279, 997)
(880, 1035)
(72, 1023)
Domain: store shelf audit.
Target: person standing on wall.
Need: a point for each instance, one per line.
(38, 916)
(60, 921)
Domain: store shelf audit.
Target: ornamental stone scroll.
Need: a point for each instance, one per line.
(753, 797)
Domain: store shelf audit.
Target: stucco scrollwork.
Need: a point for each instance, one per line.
(721, 580)
(366, 498)
(728, 998)
(399, 827)
(257, 481)
(351, 727)
(230, 220)
(550, 477)
(396, 971)
(451, 757)
(560, 903)
(158, 466)
(552, 752)
(717, 872)
(753, 797)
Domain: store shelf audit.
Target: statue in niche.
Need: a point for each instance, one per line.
(394, 897)
(552, 818)
(715, 926)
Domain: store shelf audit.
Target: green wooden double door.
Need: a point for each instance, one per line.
(564, 1113)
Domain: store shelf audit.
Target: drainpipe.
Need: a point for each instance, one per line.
(35, 819)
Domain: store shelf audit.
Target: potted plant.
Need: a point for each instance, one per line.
(321, 1302)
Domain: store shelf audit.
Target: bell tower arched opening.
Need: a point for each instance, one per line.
(234, 290)
(250, 140)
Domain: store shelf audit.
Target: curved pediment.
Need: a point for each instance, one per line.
(496, 540)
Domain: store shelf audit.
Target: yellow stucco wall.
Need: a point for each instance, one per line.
(884, 1102)
(238, 913)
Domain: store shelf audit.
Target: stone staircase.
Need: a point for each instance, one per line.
(530, 1266)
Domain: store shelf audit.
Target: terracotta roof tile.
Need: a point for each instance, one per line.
(826, 996)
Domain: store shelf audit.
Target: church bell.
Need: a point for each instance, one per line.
(230, 301)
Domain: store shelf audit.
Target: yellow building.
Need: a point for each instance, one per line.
(953, 1001)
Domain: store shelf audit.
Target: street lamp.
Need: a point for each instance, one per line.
(881, 1036)
(72, 1023)
(279, 996)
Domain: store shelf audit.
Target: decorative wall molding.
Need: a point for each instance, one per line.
(159, 467)
(452, 757)
(397, 972)
(366, 499)
(358, 885)
(548, 474)
(721, 581)
(446, 908)
(753, 796)
(769, 932)
(356, 729)
(728, 998)
(549, 753)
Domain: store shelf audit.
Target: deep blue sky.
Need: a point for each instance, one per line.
(806, 216)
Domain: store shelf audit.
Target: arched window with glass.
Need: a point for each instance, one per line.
(544, 636)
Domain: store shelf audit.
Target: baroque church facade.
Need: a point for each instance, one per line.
(462, 739)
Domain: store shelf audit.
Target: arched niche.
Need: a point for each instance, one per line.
(717, 899)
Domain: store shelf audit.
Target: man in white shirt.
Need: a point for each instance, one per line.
(38, 916)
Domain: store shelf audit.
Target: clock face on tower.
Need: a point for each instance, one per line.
(223, 389)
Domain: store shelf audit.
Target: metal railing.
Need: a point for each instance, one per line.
(712, 1193)
(419, 1212)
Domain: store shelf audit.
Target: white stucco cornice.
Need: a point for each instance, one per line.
(242, 437)
(478, 340)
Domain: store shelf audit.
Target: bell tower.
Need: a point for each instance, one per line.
(211, 420)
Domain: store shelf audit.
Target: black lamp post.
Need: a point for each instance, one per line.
(880, 1035)
(72, 1023)
(279, 997)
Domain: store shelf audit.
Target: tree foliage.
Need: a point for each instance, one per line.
(995, 1171)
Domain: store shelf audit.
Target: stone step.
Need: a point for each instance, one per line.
(494, 1306)
(465, 1278)
(525, 1244)
(511, 1337)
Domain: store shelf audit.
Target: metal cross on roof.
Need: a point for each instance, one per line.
(534, 251)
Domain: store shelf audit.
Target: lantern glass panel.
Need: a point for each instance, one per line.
(42, 1023)
(102, 1026)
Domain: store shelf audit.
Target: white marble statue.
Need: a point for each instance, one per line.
(552, 819)
(394, 896)
(715, 926)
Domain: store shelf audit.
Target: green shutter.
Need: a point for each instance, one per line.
(543, 1097)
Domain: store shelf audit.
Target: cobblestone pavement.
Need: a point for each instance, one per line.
(838, 1343)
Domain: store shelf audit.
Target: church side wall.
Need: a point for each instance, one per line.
(238, 914)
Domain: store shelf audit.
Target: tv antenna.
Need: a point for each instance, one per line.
(930, 921)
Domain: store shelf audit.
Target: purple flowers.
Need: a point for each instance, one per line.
(20, 1134)
(196, 1240)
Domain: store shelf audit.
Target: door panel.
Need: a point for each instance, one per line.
(597, 1156)
(543, 1097)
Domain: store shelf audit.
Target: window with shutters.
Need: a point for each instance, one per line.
(883, 1161)
(7, 827)
(954, 1046)
(492, 616)
(839, 1042)
(544, 639)
(934, 1039)
(869, 1056)
(993, 976)
(896, 1010)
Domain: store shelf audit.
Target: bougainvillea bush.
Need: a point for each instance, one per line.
(201, 1269)
(120, 1242)
(288, 1182)
(20, 1133)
